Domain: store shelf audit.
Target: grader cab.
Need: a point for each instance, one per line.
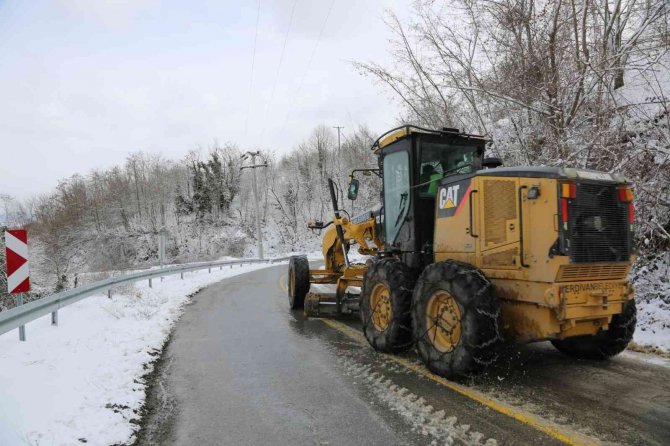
(467, 253)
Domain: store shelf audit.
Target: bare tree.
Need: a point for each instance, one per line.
(570, 82)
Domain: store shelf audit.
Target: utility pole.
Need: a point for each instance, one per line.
(254, 166)
(339, 146)
(162, 239)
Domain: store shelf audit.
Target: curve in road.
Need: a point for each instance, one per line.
(241, 369)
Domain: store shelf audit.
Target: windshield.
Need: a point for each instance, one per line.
(439, 160)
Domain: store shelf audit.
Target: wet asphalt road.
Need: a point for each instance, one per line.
(241, 369)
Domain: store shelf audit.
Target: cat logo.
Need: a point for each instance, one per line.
(449, 197)
(453, 197)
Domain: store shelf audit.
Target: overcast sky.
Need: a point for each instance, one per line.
(84, 83)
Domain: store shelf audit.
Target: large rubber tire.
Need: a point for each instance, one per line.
(394, 281)
(298, 281)
(467, 340)
(604, 344)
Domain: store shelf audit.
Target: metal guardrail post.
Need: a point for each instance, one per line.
(54, 318)
(150, 285)
(209, 270)
(182, 275)
(109, 293)
(22, 328)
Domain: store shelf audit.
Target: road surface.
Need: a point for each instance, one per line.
(241, 369)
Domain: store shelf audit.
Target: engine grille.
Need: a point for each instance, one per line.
(500, 206)
(606, 271)
(598, 225)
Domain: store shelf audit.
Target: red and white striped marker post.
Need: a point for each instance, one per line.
(16, 249)
(18, 272)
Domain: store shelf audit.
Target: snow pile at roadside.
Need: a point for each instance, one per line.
(82, 382)
(652, 289)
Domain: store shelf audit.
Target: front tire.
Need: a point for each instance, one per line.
(298, 281)
(385, 305)
(604, 344)
(457, 320)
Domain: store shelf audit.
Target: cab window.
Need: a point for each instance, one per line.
(439, 160)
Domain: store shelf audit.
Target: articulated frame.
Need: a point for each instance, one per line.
(337, 269)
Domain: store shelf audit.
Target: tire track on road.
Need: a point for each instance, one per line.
(556, 431)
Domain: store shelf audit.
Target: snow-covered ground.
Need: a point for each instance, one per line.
(652, 289)
(81, 382)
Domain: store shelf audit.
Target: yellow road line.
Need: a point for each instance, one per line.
(554, 430)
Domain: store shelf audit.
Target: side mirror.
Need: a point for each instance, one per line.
(353, 189)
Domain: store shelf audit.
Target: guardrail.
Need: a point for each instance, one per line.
(20, 315)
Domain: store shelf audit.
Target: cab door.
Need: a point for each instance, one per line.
(397, 196)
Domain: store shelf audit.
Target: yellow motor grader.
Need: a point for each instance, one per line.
(468, 253)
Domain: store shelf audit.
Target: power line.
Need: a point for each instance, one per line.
(309, 64)
(281, 59)
(253, 63)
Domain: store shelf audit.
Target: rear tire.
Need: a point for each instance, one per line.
(298, 281)
(385, 305)
(457, 320)
(604, 344)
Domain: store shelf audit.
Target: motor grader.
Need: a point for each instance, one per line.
(466, 254)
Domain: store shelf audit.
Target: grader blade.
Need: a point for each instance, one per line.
(324, 305)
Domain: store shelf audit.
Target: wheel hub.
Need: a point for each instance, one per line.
(380, 307)
(443, 320)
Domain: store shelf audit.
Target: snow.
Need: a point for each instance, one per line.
(647, 358)
(652, 289)
(653, 326)
(82, 381)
